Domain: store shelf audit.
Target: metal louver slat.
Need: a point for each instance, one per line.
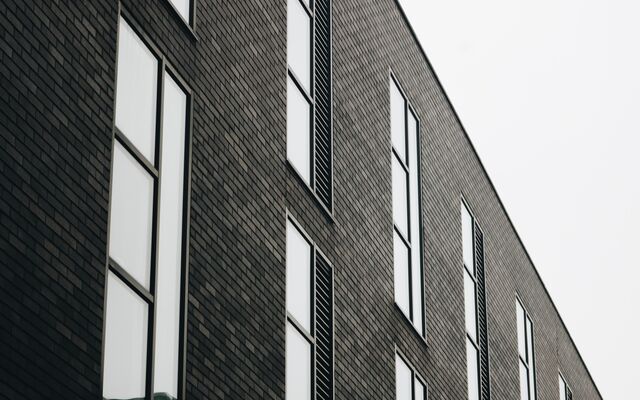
(324, 329)
(482, 315)
(323, 130)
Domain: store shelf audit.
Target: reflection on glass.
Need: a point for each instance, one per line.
(467, 239)
(298, 130)
(403, 380)
(169, 281)
(472, 371)
(398, 133)
(299, 42)
(298, 277)
(136, 87)
(131, 215)
(399, 183)
(470, 309)
(401, 273)
(298, 368)
(125, 348)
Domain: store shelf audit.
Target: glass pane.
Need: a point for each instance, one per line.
(169, 280)
(398, 135)
(125, 348)
(298, 130)
(399, 183)
(563, 388)
(299, 42)
(298, 375)
(403, 380)
(298, 276)
(472, 371)
(522, 343)
(136, 91)
(531, 360)
(419, 390)
(467, 239)
(524, 382)
(131, 215)
(470, 310)
(529, 342)
(401, 273)
(183, 8)
(416, 244)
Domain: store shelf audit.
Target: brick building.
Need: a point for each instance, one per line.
(259, 199)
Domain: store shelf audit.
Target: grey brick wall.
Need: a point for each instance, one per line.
(57, 72)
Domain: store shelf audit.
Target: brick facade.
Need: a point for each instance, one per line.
(57, 72)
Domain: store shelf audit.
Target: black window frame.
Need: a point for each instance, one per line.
(530, 361)
(408, 240)
(164, 66)
(414, 375)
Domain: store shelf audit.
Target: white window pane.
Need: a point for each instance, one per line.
(524, 382)
(131, 215)
(417, 291)
(401, 273)
(170, 239)
(522, 341)
(125, 348)
(398, 135)
(403, 380)
(563, 388)
(183, 8)
(470, 309)
(298, 130)
(416, 244)
(298, 376)
(472, 371)
(298, 276)
(531, 360)
(137, 83)
(529, 328)
(399, 196)
(299, 42)
(419, 390)
(467, 238)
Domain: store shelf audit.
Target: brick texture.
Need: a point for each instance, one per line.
(57, 72)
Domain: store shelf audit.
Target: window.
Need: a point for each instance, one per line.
(408, 385)
(309, 125)
(405, 182)
(565, 391)
(470, 304)
(147, 213)
(184, 7)
(526, 357)
(309, 330)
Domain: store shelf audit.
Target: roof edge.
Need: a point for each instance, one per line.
(484, 170)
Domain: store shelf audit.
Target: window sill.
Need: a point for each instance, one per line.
(308, 187)
(183, 22)
(413, 328)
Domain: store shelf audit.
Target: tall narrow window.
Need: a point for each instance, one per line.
(526, 354)
(470, 305)
(565, 391)
(146, 261)
(408, 385)
(475, 307)
(309, 125)
(407, 237)
(309, 328)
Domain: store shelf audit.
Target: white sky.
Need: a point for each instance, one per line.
(549, 91)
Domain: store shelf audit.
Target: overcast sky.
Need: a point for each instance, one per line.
(549, 91)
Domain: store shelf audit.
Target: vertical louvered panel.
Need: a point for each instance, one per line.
(323, 146)
(482, 316)
(324, 330)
